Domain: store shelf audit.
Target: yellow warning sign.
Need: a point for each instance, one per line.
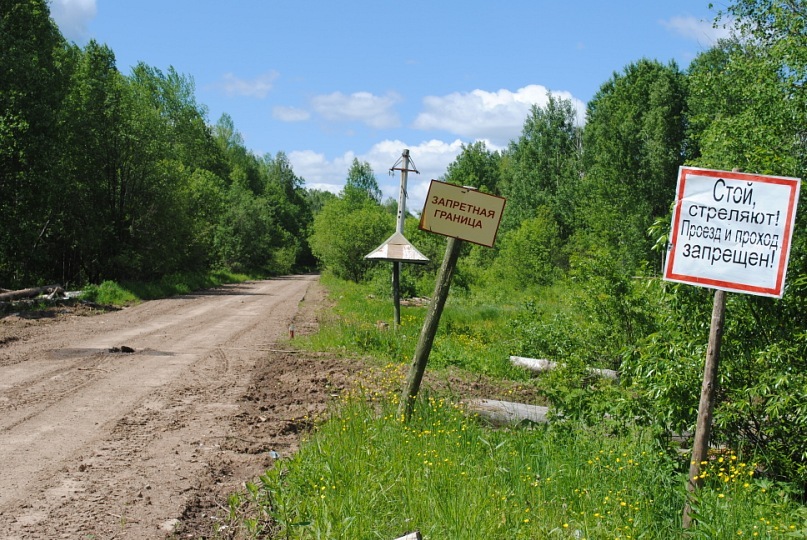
(462, 212)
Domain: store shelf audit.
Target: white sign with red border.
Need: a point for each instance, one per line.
(732, 231)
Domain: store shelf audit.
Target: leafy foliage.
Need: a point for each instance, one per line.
(632, 146)
(346, 230)
(530, 255)
(361, 181)
(106, 176)
(542, 167)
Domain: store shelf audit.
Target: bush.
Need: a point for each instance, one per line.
(345, 231)
(108, 293)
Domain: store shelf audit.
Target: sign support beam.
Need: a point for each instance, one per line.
(703, 427)
(427, 333)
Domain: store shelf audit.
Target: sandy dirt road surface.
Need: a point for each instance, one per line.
(96, 443)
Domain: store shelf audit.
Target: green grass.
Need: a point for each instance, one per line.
(473, 335)
(120, 294)
(365, 474)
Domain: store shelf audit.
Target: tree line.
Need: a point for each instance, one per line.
(587, 222)
(106, 176)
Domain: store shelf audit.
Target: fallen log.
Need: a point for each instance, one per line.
(540, 365)
(29, 293)
(506, 412)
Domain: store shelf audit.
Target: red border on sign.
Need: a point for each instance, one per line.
(792, 183)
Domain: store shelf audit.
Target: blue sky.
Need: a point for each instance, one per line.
(327, 81)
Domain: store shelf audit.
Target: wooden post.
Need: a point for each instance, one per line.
(396, 294)
(703, 428)
(399, 227)
(427, 333)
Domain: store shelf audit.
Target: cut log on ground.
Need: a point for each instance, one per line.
(29, 293)
(506, 412)
(539, 365)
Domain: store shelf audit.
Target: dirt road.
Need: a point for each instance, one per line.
(96, 443)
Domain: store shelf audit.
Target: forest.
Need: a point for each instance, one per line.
(106, 176)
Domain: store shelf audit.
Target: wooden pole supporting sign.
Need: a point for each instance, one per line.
(715, 214)
(703, 428)
(427, 333)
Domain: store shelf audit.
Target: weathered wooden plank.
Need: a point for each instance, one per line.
(411, 536)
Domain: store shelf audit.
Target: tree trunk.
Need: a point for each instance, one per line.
(540, 365)
(506, 412)
(28, 293)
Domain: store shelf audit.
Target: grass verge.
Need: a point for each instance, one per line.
(365, 474)
(120, 294)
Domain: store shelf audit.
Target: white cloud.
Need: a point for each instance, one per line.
(375, 111)
(318, 171)
(496, 116)
(258, 87)
(290, 114)
(72, 17)
(698, 30)
(431, 158)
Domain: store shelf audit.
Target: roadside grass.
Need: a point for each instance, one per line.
(130, 292)
(363, 473)
(474, 335)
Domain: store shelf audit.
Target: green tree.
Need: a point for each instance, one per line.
(189, 138)
(121, 219)
(475, 166)
(529, 255)
(32, 87)
(247, 233)
(633, 145)
(317, 199)
(346, 230)
(243, 167)
(743, 114)
(286, 197)
(361, 181)
(542, 167)
(780, 28)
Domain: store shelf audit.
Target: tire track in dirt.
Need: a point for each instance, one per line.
(116, 445)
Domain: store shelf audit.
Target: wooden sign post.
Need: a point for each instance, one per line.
(703, 427)
(730, 231)
(429, 329)
(460, 213)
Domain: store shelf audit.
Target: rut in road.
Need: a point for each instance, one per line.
(110, 443)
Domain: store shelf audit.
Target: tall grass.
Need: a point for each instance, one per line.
(365, 474)
(474, 334)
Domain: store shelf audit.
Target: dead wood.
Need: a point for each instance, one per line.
(506, 412)
(540, 365)
(31, 293)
